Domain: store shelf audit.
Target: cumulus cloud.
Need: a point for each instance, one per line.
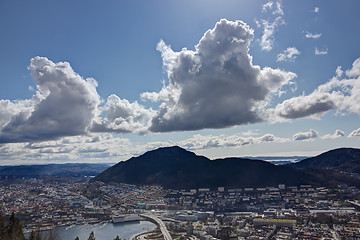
(313, 105)
(302, 136)
(336, 94)
(104, 147)
(355, 70)
(64, 105)
(289, 54)
(321, 52)
(199, 142)
(216, 85)
(312, 35)
(355, 133)
(8, 109)
(93, 147)
(267, 138)
(271, 24)
(337, 134)
(123, 116)
(339, 72)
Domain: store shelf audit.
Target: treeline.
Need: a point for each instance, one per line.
(12, 230)
(92, 237)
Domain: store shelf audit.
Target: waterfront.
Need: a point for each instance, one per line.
(109, 232)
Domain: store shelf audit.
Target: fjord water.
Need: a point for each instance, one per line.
(109, 232)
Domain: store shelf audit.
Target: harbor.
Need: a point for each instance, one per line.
(105, 231)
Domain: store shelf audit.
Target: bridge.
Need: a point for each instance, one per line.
(160, 224)
(355, 204)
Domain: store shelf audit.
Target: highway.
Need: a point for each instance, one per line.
(357, 205)
(160, 224)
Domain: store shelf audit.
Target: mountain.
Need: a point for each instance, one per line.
(341, 159)
(174, 167)
(59, 170)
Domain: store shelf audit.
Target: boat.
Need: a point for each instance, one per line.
(71, 226)
(83, 226)
(126, 218)
(102, 226)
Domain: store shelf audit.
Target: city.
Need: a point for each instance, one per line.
(278, 212)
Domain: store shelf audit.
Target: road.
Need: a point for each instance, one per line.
(160, 224)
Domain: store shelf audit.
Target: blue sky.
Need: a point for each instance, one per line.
(91, 81)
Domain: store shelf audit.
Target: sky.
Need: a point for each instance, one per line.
(103, 81)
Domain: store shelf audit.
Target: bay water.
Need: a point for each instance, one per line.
(109, 232)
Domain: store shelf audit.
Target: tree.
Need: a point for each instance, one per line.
(91, 237)
(14, 228)
(2, 222)
(117, 238)
(3, 228)
(34, 235)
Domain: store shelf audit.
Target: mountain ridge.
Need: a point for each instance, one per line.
(174, 167)
(340, 159)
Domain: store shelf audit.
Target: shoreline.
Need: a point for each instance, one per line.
(132, 232)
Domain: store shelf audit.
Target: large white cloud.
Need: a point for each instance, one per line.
(216, 85)
(64, 105)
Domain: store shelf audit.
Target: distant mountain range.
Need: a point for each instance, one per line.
(279, 160)
(174, 167)
(59, 170)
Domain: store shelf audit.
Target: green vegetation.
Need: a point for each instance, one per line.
(92, 191)
(92, 236)
(11, 230)
(34, 235)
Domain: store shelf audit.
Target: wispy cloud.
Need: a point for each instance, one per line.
(270, 24)
(289, 54)
(336, 134)
(312, 35)
(321, 52)
(355, 133)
